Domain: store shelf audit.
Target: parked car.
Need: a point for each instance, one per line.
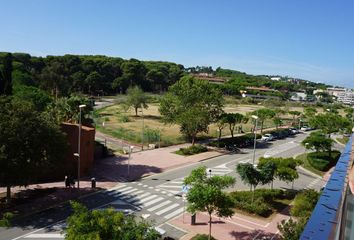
(305, 128)
(294, 130)
(267, 137)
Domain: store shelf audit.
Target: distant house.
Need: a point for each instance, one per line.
(260, 93)
(298, 96)
(209, 77)
(335, 91)
(275, 78)
(346, 97)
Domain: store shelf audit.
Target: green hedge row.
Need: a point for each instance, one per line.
(194, 149)
(321, 160)
(264, 200)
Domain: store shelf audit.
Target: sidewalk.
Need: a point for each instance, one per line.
(237, 227)
(148, 162)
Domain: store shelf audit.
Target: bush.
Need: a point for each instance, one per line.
(202, 237)
(321, 160)
(194, 149)
(264, 200)
(304, 203)
(6, 218)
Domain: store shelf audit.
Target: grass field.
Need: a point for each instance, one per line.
(307, 165)
(125, 125)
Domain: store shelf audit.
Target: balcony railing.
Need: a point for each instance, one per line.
(333, 212)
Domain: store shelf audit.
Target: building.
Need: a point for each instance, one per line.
(335, 91)
(298, 96)
(346, 97)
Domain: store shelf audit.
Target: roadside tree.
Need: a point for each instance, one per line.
(233, 119)
(29, 144)
(263, 114)
(192, 104)
(206, 194)
(318, 141)
(106, 224)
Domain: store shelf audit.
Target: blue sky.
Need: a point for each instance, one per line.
(310, 39)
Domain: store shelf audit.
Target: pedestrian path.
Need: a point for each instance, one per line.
(174, 187)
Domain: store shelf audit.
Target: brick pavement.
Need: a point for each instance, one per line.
(238, 227)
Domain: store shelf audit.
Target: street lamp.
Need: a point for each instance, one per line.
(130, 152)
(255, 137)
(79, 147)
(142, 131)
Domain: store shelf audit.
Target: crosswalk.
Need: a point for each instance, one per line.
(132, 199)
(175, 186)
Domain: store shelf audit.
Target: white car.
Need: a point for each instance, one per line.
(305, 128)
(267, 137)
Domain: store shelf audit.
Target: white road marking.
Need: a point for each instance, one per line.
(159, 206)
(45, 235)
(121, 190)
(147, 198)
(132, 195)
(134, 199)
(167, 209)
(172, 214)
(129, 191)
(153, 201)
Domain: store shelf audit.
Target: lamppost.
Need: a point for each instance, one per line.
(79, 147)
(130, 152)
(142, 131)
(255, 137)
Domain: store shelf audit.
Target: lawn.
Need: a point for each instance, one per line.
(343, 140)
(307, 165)
(125, 125)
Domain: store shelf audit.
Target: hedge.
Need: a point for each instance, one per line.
(321, 160)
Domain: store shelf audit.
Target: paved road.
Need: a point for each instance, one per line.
(158, 197)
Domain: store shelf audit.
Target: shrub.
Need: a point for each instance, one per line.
(263, 203)
(321, 160)
(124, 119)
(6, 218)
(202, 237)
(194, 149)
(304, 203)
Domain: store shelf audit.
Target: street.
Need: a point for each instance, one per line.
(158, 198)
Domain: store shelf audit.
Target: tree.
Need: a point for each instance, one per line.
(106, 224)
(136, 98)
(277, 117)
(29, 144)
(193, 104)
(267, 172)
(285, 168)
(294, 114)
(206, 194)
(6, 74)
(310, 112)
(318, 141)
(263, 114)
(329, 123)
(249, 175)
(232, 119)
(221, 123)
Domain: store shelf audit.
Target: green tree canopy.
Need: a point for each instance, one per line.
(192, 104)
(29, 144)
(106, 224)
(136, 98)
(263, 114)
(206, 194)
(318, 141)
(329, 123)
